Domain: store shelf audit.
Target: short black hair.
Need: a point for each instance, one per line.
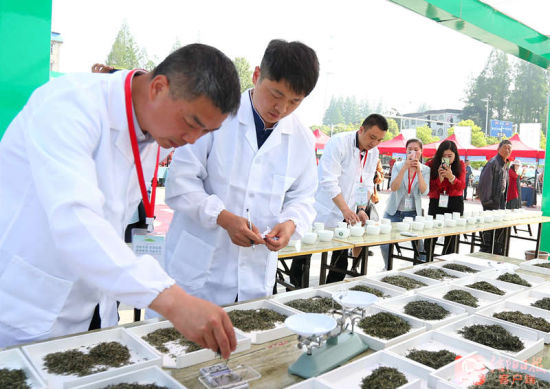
(293, 62)
(504, 142)
(199, 70)
(377, 120)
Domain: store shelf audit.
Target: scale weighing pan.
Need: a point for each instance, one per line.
(354, 299)
(310, 324)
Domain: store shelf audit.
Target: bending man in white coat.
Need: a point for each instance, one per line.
(72, 158)
(260, 163)
(346, 173)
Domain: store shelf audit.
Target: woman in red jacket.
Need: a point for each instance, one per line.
(447, 182)
(513, 199)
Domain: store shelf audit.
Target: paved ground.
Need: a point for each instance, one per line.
(375, 264)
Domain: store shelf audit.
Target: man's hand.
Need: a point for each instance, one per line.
(363, 217)
(238, 230)
(100, 68)
(283, 232)
(350, 217)
(198, 320)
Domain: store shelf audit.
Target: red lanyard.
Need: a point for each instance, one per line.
(362, 164)
(149, 205)
(411, 181)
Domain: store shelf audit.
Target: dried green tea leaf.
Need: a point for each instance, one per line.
(384, 325)
(13, 379)
(459, 267)
(433, 359)
(316, 304)
(69, 362)
(436, 274)
(368, 289)
(384, 378)
(426, 310)
(255, 319)
(486, 287)
(135, 386)
(493, 336)
(544, 265)
(110, 354)
(513, 278)
(524, 319)
(504, 378)
(159, 338)
(403, 282)
(462, 297)
(543, 303)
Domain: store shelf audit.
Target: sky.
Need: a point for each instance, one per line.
(370, 49)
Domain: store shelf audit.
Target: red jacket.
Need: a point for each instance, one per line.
(512, 185)
(454, 189)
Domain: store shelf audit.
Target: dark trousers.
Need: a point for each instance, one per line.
(297, 269)
(456, 204)
(339, 260)
(500, 235)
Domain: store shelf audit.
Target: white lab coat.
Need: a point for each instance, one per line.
(225, 170)
(68, 190)
(339, 172)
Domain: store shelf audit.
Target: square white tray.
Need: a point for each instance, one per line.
(530, 296)
(280, 331)
(465, 372)
(529, 338)
(417, 327)
(176, 357)
(284, 298)
(14, 359)
(397, 304)
(457, 274)
(511, 306)
(484, 299)
(466, 261)
(428, 281)
(141, 355)
(312, 383)
(148, 375)
(351, 375)
(530, 266)
(387, 289)
(532, 279)
(508, 288)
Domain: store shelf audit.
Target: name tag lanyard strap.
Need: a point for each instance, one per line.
(149, 205)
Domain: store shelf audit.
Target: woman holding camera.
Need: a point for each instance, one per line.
(447, 182)
(409, 181)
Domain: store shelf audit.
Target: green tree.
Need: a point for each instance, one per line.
(245, 73)
(333, 114)
(424, 133)
(177, 44)
(393, 129)
(364, 109)
(542, 140)
(125, 53)
(478, 136)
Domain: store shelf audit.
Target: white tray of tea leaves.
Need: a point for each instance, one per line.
(19, 366)
(469, 371)
(433, 350)
(406, 282)
(261, 314)
(436, 273)
(381, 290)
(498, 336)
(424, 308)
(176, 353)
(470, 299)
(521, 278)
(147, 376)
(536, 265)
(307, 300)
(490, 285)
(464, 266)
(385, 366)
(535, 319)
(386, 328)
(538, 298)
(140, 355)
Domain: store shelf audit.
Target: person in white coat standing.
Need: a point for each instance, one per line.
(70, 163)
(255, 175)
(346, 173)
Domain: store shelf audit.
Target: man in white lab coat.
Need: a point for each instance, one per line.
(346, 172)
(69, 163)
(256, 174)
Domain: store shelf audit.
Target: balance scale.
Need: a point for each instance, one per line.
(327, 342)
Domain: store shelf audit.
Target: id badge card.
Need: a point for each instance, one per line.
(409, 203)
(361, 195)
(443, 201)
(144, 243)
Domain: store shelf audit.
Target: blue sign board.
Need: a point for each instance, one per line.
(501, 128)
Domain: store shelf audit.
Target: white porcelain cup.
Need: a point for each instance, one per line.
(340, 232)
(450, 223)
(318, 226)
(408, 219)
(428, 224)
(471, 220)
(325, 235)
(403, 226)
(357, 230)
(373, 230)
(342, 225)
(309, 238)
(440, 217)
(461, 222)
(418, 226)
(438, 223)
(385, 228)
(456, 215)
(448, 216)
(385, 221)
(419, 219)
(429, 217)
(371, 222)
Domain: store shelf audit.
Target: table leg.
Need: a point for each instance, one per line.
(323, 272)
(305, 272)
(390, 257)
(507, 241)
(537, 245)
(364, 258)
(493, 242)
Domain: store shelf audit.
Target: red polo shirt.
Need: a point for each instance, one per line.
(454, 189)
